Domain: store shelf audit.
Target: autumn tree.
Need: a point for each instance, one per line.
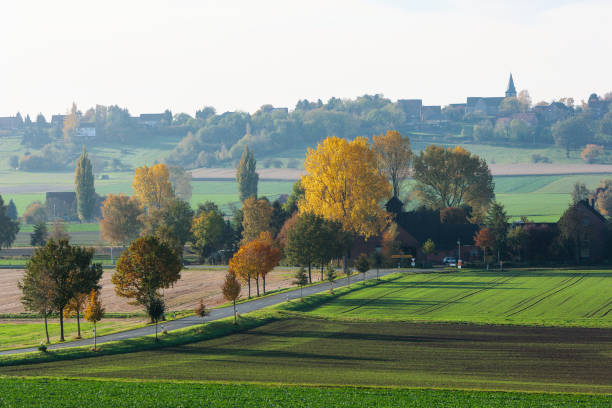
(84, 186)
(74, 308)
(152, 185)
(8, 226)
(254, 260)
(59, 230)
(394, 158)
(428, 248)
(256, 218)
(94, 312)
(85, 279)
(201, 310)
(452, 177)
(71, 123)
(171, 224)
(246, 175)
(453, 215)
(121, 219)
(231, 290)
(181, 182)
(35, 212)
(484, 240)
(301, 279)
(343, 183)
(147, 266)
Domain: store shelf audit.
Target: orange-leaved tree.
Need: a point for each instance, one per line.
(120, 222)
(152, 185)
(394, 157)
(344, 183)
(94, 312)
(231, 290)
(484, 239)
(254, 260)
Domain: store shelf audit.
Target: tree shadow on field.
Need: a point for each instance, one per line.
(535, 273)
(450, 285)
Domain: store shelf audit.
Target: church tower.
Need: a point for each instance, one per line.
(511, 91)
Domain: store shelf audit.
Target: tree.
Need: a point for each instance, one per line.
(246, 175)
(301, 279)
(85, 279)
(38, 237)
(509, 106)
(519, 130)
(8, 227)
(496, 221)
(37, 290)
(574, 230)
(483, 131)
(297, 193)
(94, 312)
(517, 239)
(376, 260)
(591, 153)
(35, 213)
(428, 248)
(201, 310)
(256, 218)
(571, 133)
(484, 240)
(171, 224)
(306, 240)
(453, 215)
(71, 123)
(181, 182)
(580, 192)
(604, 202)
(362, 264)
(152, 186)
(145, 267)
(121, 219)
(208, 231)
(394, 158)
(11, 210)
(58, 231)
(254, 260)
(452, 177)
(155, 310)
(330, 274)
(13, 162)
(231, 290)
(84, 185)
(343, 183)
(524, 100)
(73, 309)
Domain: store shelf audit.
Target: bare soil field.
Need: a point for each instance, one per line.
(520, 169)
(186, 293)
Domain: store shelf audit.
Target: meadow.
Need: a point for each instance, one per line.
(535, 297)
(51, 393)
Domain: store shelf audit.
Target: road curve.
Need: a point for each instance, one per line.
(215, 314)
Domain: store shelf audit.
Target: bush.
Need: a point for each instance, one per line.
(42, 347)
(537, 158)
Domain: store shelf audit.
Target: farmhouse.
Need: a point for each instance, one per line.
(61, 205)
(489, 105)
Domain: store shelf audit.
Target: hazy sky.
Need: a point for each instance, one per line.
(238, 55)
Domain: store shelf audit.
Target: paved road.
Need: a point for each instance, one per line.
(215, 314)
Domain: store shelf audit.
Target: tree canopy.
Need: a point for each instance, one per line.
(152, 185)
(246, 175)
(84, 185)
(394, 156)
(8, 226)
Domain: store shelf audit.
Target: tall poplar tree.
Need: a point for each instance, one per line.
(85, 191)
(246, 176)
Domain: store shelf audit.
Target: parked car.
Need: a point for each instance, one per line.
(449, 261)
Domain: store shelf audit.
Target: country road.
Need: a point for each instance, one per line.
(215, 314)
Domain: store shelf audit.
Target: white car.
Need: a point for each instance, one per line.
(449, 261)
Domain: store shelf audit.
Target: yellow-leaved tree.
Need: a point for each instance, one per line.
(394, 157)
(343, 183)
(152, 185)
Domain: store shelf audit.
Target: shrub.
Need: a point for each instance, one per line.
(591, 153)
(42, 347)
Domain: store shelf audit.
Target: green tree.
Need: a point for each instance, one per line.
(571, 133)
(171, 224)
(38, 237)
(13, 162)
(428, 248)
(301, 279)
(330, 274)
(246, 175)
(155, 310)
(8, 227)
(11, 210)
(496, 222)
(297, 193)
(147, 266)
(85, 191)
(37, 290)
(362, 264)
(517, 239)
(574, 231)
(209, 231)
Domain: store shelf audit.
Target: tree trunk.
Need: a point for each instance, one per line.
(301, 292)
(95, 344)
(78, 323)
(321, 271)
(61, 313)
(234, 311)
(263, 278)
(309, 275)
(257, 284)
(46, 328)
(156, 330)
(249, 287)
(348, 278)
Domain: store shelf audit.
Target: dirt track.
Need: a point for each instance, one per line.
(186, 294)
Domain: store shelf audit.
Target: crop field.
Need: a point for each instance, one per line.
(328, 352)
(517, 297)
(51, 393)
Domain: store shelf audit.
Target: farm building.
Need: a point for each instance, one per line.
(61, 205)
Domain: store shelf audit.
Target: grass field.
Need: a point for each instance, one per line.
(518, 297)
(52, 393)
(18, 333)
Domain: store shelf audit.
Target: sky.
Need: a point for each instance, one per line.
(182, 55)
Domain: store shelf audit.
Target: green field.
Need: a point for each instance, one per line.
(52, 393)
(518, 297)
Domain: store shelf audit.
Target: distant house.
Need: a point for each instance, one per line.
(554, 112)
(58, 120)
(61, 205)
(150, 119)
(86, 130)
(527, 117)
(489, 105)
(412, 108)
(9, 122)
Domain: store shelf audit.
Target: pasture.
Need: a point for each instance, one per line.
(535, 297)
(51, 393)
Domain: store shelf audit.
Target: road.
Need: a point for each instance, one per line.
(215, 314)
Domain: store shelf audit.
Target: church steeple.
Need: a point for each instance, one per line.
(511, 91)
